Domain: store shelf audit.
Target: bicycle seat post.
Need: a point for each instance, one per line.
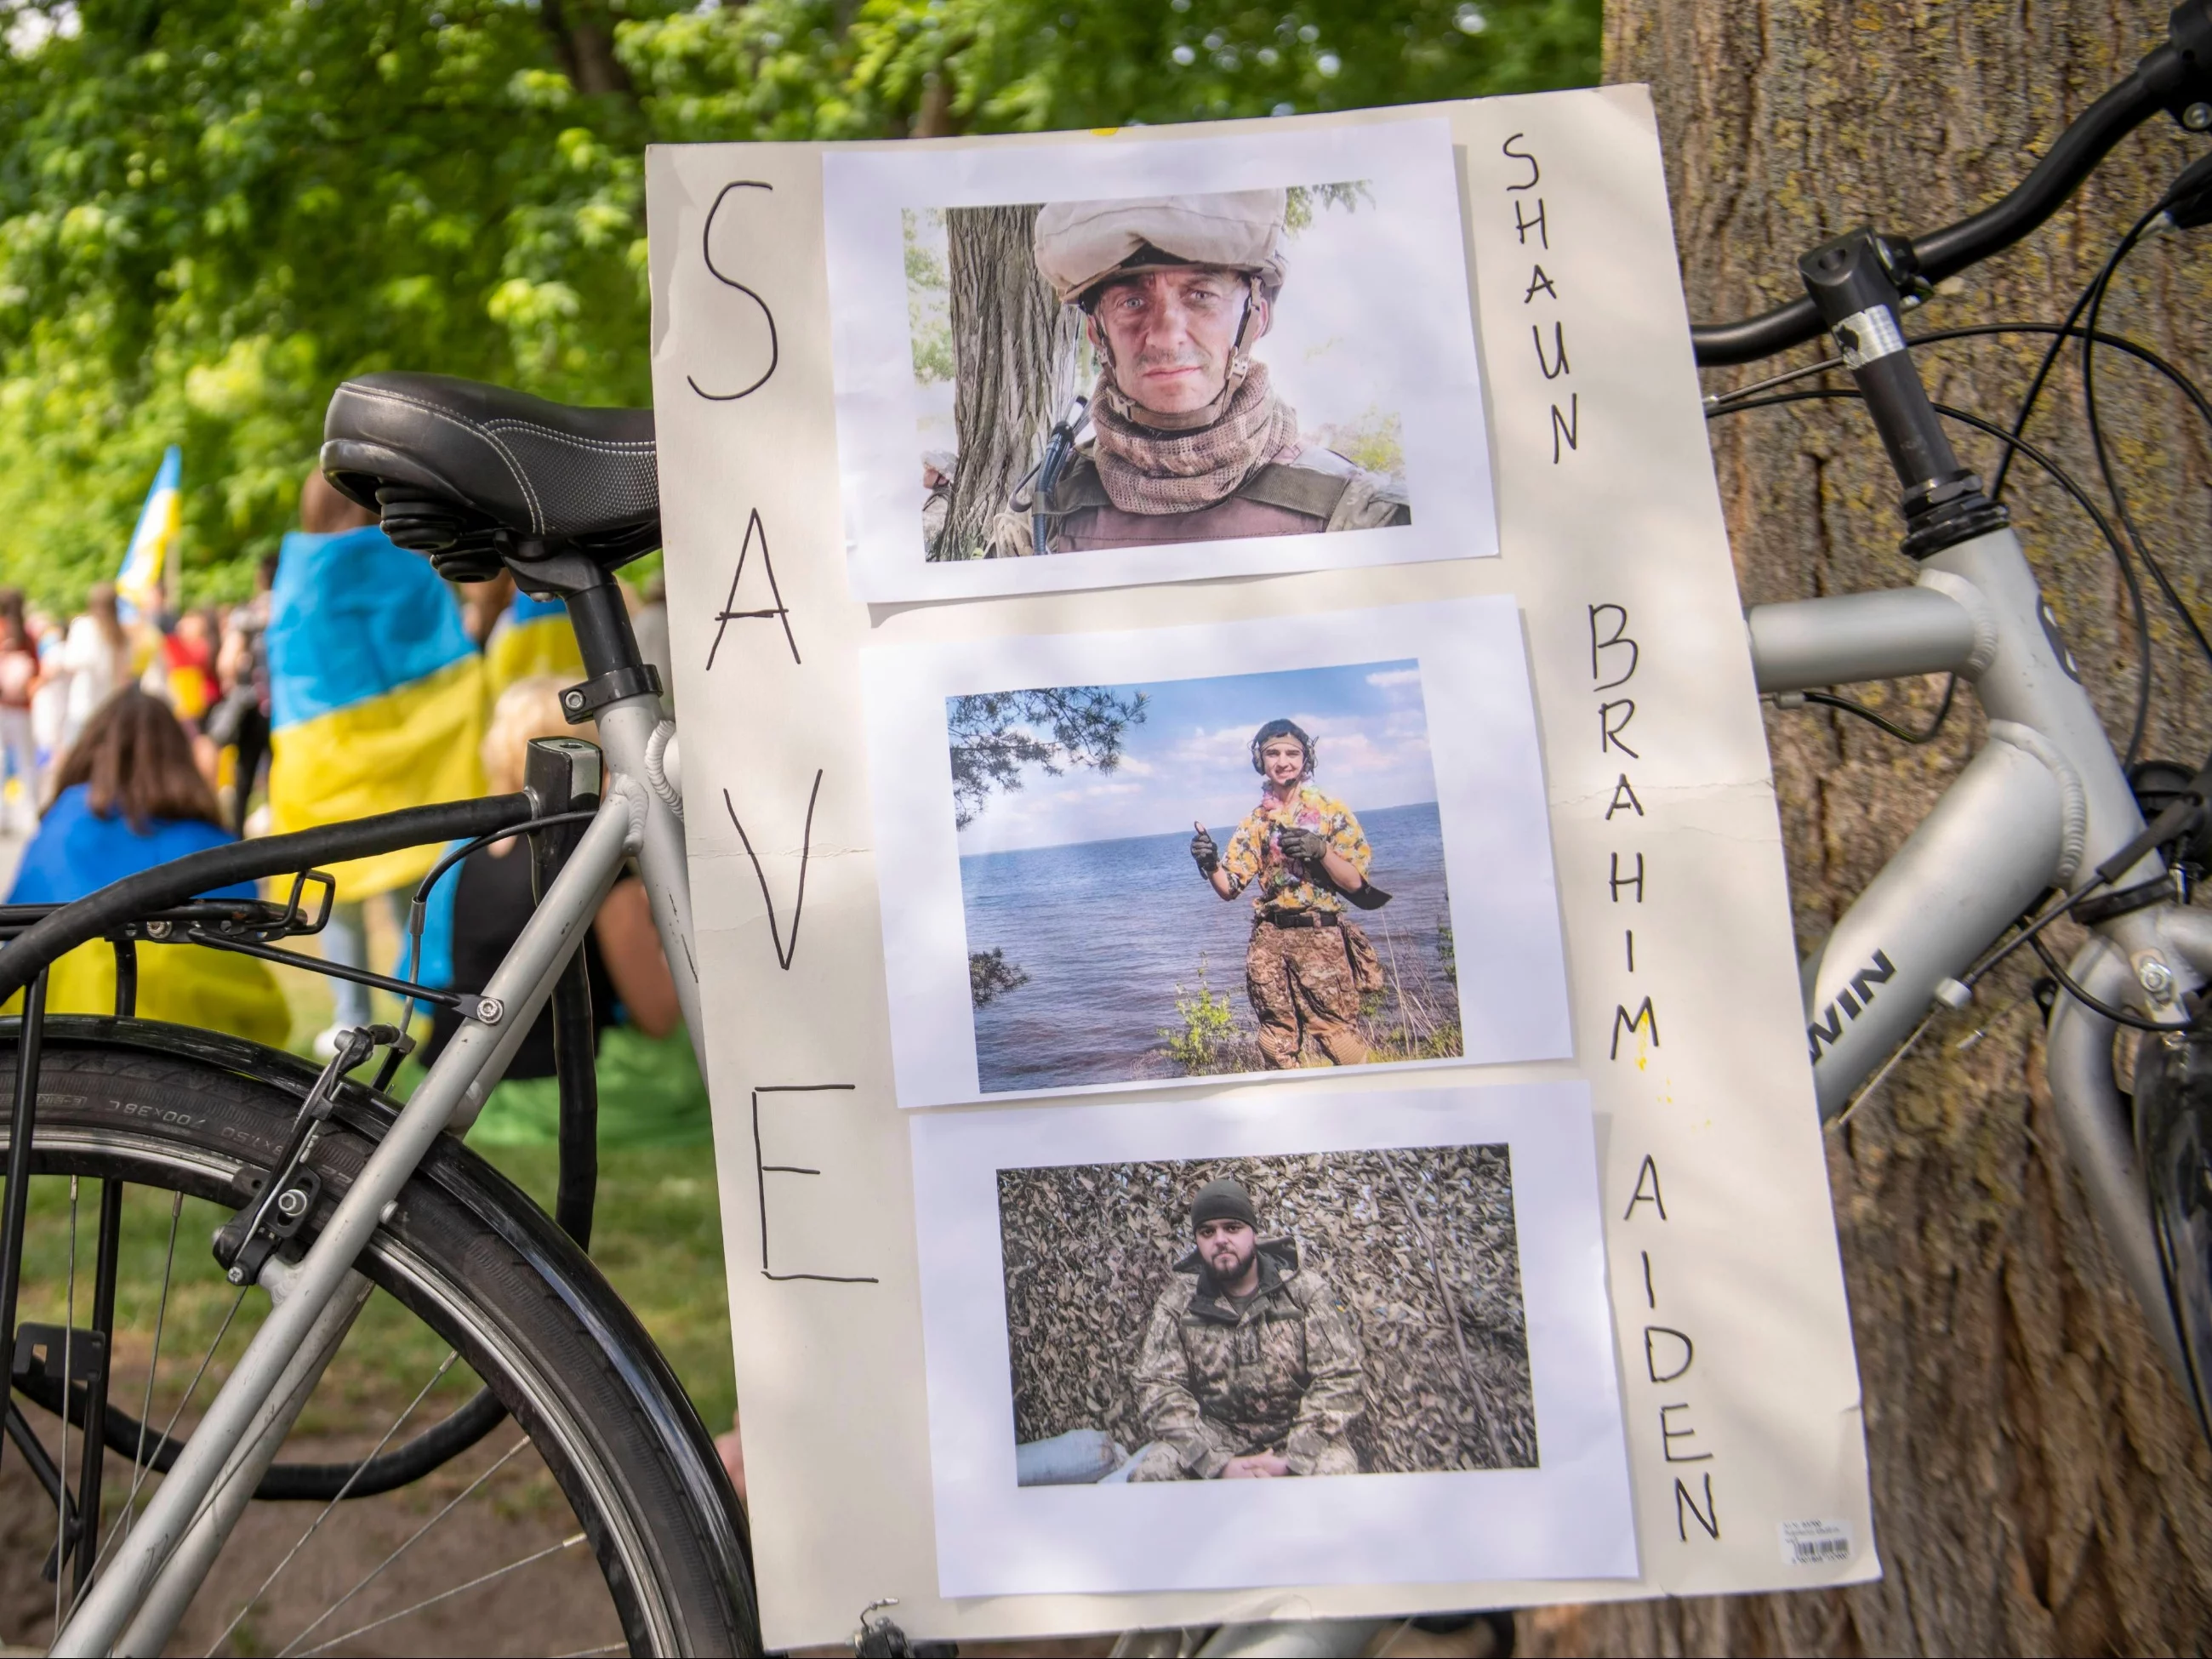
(1856, 280)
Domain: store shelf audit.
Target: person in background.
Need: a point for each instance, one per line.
(128, 797)
(96, 657)
(483, 604)
(19, 681)
(648, 618)
(650, 1093)
(183, 670)
(531, 636)
(376, 699)
(240, 719)
(50, 701)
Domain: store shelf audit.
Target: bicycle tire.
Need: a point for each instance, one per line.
(2173, 1148)
(470, 1255)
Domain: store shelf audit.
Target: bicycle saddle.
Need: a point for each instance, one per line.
(478, 476)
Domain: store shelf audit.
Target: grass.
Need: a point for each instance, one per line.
(657, 1236)
(1415, 1016)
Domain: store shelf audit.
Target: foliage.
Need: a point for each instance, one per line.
(827, 68)
(1209, 1041)
(1416, 1240)
(929, 296)
(996, 734)
(212, 210)
(990, 976)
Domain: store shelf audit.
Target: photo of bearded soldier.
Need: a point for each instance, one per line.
(1253, 1371)
(1190, 443)
(1307, 964)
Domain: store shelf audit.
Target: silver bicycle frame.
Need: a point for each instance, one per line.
(148, 1581)
(2042, 803)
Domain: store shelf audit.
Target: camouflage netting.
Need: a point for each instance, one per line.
(1087, 1247)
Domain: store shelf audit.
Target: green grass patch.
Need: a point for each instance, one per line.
(657, 1235)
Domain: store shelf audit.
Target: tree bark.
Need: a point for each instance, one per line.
(1013, 350)
(2039, 1483)
(583, 39)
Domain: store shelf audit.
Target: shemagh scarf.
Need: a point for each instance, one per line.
(1151, 471)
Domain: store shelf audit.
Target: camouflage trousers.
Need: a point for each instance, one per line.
(1158, 1462)
(1300, 983)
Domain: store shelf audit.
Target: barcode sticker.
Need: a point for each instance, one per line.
(1815, 1543)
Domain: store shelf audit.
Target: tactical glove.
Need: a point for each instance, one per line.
(1302, 845)
(1203, 853)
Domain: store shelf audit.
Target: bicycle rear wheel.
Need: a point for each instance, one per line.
(601, 1454)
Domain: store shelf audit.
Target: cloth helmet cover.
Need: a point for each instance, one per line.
(1078, 244)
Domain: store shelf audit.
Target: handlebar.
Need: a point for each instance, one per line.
(2176, 76)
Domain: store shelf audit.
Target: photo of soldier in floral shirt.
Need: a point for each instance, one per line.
(1308, 964)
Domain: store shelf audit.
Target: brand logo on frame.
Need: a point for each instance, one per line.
(1848, 1003)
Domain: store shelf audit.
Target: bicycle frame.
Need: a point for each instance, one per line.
(145, 1584)
(2043, 802)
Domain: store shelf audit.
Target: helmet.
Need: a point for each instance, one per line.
(1274, 729)
(1081, 244)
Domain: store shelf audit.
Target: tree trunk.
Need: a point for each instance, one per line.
(2039, 1483)
(1013, 347)
(583, 38)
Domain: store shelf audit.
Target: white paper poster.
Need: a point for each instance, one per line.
(1241, 911)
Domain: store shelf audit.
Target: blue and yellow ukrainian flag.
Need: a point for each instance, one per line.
(139, 583)
(532, 637)
(376, 694)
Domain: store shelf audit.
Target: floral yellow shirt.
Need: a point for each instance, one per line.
(1254, 856)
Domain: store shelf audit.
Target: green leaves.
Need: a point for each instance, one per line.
(211, 211)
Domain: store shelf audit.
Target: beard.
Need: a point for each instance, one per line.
(1227, 1264)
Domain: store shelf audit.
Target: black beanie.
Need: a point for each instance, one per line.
(1225, 1199)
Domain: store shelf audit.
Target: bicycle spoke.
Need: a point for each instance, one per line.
(436, 1376)
(141, 1469)
(567, 1543)
(122, 1522)
(594, 1653)
(418, 1534)
(69, 1334)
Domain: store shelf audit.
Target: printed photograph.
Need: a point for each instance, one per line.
(1136, 359)
(1193, 878)
(1257, 1318)
(1150, 370)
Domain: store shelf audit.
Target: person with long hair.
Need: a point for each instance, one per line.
(97, 658)
(128, 797)
(19, 680)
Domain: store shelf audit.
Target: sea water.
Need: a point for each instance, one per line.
(1106, 930)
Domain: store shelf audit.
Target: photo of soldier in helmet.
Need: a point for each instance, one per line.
(1307, 964)
(1189, 441)
(1251, 1365)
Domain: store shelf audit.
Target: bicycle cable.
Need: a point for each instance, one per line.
(417, 911)
(2065, 480)
(2143, 353)
(2097, 1004)
(1875, 717)
(2105, 467)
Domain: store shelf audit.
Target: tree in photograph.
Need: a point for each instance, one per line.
(1013, 351)
(990, 976)
(996, 734)
(2040, 1483)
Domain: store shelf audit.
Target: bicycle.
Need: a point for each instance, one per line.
(334, 1187)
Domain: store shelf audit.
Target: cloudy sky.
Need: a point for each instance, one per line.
(1190, 760)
